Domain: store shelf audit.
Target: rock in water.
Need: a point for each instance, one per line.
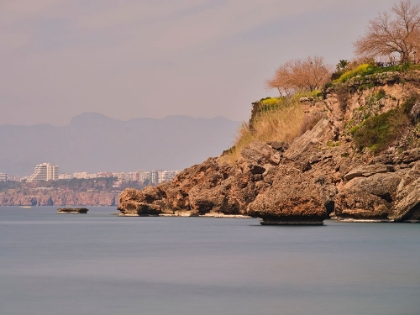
(72, 210)
(292, 199)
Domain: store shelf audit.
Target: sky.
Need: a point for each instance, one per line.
(155, 58)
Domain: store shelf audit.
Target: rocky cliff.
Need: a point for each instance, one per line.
(361, 161)
(57, 197)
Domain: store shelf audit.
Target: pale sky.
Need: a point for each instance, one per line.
(154, 58)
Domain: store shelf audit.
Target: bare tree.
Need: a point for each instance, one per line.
(297, 75)
(282, 80)
(397, 32)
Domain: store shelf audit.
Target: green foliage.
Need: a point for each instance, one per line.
(381, 94)
(409, 103)
(342, 65)
(333, 144)
(369, 69)
(379, 132)
(359, 70)
(268, 104)
(270, 101)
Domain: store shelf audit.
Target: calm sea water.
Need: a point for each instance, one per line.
(63, 264)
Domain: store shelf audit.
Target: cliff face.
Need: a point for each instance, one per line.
(57, 197)
(360, 162)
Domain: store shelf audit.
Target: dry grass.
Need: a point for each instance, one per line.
(282, 124)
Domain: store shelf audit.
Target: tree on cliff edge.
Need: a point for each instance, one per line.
(297, 75)
(397, 32)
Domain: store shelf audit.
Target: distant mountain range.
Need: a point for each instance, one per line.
(93, 143)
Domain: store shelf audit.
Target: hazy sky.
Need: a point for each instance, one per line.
(154, 58)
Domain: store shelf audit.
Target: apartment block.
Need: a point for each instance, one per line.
(3, 177)
(44, 172)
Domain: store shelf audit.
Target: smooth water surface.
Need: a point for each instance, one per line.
(96, 263)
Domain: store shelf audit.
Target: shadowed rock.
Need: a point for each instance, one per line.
(292, 199)
(72, 210)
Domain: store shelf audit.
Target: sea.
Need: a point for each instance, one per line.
(101, 264)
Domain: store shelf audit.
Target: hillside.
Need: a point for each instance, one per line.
(73, 192)
(350, 151)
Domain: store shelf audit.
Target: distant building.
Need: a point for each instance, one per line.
(104, 175)
(13, 178)
(65, 176)
(122, 177)
(166, 176)
(81, 175)
(154, 177)
(44, 172)
(3, 177)
(146, 176)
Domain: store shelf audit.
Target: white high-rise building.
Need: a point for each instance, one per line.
(44, 172)
(3, 177)
(154, 177)
(165, 176)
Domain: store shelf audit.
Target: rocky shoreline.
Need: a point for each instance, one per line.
(320, 174)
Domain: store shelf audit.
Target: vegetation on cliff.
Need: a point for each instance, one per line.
(350, 150)
(310, 80)
(379, 132)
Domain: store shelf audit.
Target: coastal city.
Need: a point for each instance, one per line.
(48, 172)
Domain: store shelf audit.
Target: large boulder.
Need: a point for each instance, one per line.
(316, 135)
(407, 205)
(292, 199)
(134, 202)
(367, 198)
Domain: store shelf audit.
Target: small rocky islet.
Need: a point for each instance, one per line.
(328, 171)
(72, 210)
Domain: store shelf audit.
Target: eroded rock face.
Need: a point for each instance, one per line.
(320, 173)
(259, 185)
(33, 197)
(207, 188)
(293, 198)
(407, 204)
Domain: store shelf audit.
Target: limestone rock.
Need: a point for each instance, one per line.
(260, 153)
(320, 132)
(368, 197)
(292, 199)
(319, 173)
(367, 170)
(415, 112)
(407, 205)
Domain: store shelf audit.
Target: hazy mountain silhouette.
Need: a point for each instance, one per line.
(93, 143)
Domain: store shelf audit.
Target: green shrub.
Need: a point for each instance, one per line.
(363, 68)
(369, 69)
(381, 94)
(409, 103)
(270, 101)
(379, 132)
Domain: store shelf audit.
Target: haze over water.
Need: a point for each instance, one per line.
(101, 264)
